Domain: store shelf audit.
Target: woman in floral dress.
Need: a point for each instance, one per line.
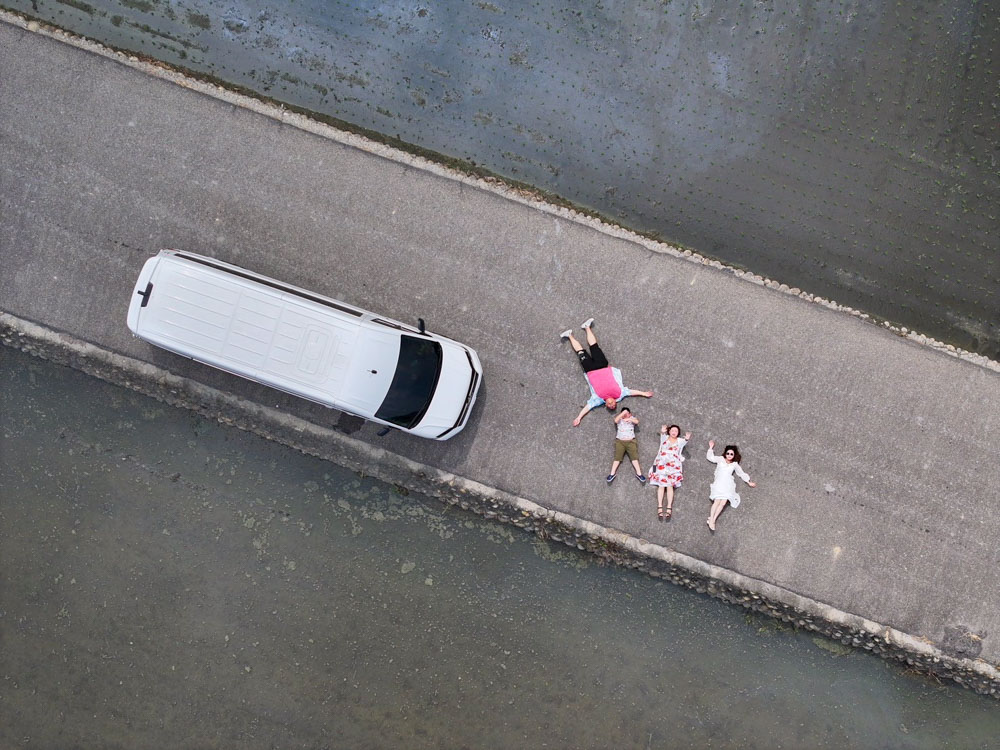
(667, 470)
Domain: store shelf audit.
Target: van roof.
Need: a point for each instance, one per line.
(276, 333)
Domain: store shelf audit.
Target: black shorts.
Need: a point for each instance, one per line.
(593, 361)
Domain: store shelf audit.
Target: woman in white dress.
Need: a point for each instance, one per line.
(723, 489)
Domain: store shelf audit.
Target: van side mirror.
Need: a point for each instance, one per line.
(420, 325)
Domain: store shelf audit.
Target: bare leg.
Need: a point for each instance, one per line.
(670, 497)
(659, 500)
(577, 347)
(717, 506)
(591, 338)
(614, 467)
(635, 465)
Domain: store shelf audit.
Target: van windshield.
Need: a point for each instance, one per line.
(413, 384)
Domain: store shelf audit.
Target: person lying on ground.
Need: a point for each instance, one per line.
(666, 473)
(606, 387)
(723, 489)
(625, 443)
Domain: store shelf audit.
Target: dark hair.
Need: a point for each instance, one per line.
(625, 409)
(672, 427)
(736, 453)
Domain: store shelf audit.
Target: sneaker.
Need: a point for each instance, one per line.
(566, 334)
(609, 478)
(641, 478)
(587, 323)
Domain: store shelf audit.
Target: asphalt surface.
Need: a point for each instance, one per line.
(872, 454)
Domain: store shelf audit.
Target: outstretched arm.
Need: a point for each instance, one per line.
(583, 412)
(744, 476)
(711, 453)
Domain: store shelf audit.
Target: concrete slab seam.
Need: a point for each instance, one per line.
(611, 544)
(495, 185)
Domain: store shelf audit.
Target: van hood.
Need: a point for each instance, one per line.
(452, 389)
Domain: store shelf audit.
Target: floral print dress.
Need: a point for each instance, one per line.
(667, 469)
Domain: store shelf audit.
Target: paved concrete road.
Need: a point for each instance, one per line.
(873, 455)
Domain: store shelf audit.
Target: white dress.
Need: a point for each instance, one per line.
(723, 485)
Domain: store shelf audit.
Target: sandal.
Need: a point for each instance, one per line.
(659, 513)
(669, 512)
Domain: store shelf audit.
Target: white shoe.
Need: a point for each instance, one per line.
(566, 334)
(587, 323)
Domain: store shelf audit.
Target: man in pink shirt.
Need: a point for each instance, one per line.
(605, 382)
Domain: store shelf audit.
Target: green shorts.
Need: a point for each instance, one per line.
(626, 446)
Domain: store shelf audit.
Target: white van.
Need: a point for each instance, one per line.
(305, 344)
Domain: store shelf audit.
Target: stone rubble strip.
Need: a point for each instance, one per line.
(493, 185)
(609, 544)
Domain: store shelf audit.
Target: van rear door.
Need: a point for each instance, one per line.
(142, 294)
